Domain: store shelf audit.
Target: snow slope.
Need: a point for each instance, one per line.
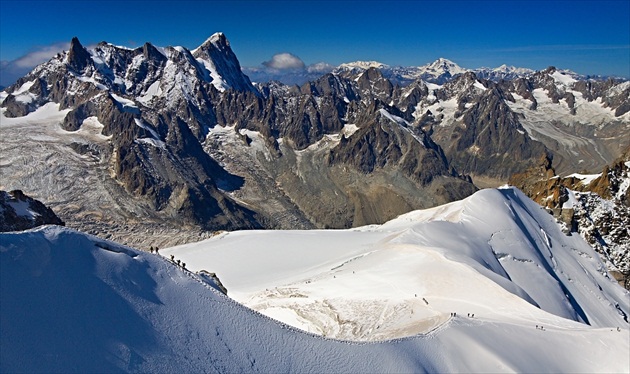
(497, 255)
(75, 303)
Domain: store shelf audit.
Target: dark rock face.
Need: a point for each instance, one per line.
(217, 50)
(20, 212)
(78, 57)
(492, 140)
(539, 184)
(372, 81)
(384, 140)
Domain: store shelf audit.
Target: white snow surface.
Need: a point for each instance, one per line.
(479, 85)
(151, 92)
(212, 75)
(127, 104)
(572, 200)
(23, 209)
(496, 254)
(362, 65)
(142, 124)
(73, 302)
(585, 179)
(563, 78)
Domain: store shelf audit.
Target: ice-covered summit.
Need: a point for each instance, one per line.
(443, 65)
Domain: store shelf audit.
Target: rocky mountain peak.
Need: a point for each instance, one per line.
(442, 63)
(550, 70)
(150, 52)
(222, 65)
(78, 56)
(217, 40)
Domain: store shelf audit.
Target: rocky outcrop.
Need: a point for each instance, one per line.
(597, 209)
(492, 141)
(78, 57)
(541, 184)
(385, 140)
(20, 212)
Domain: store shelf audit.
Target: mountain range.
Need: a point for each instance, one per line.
(120, 141)
(439, 71)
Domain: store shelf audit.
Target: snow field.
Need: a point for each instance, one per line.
(72, 302)
(496, 255)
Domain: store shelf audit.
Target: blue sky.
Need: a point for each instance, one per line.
(589, 37)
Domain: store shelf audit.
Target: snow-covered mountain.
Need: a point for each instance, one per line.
(439, 71)
(483, 285)
(361, 66)
(503, 72)
(167, 137)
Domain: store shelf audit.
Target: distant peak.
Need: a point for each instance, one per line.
(362, 65)
(443, 62)
(150, 51)
(550, 70)
(217, 36)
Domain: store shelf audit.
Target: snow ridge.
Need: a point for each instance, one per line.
(398, 279)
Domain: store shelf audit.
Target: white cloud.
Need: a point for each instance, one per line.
(284, 61)
(11, 71)
(40, 55)
(288, 69)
